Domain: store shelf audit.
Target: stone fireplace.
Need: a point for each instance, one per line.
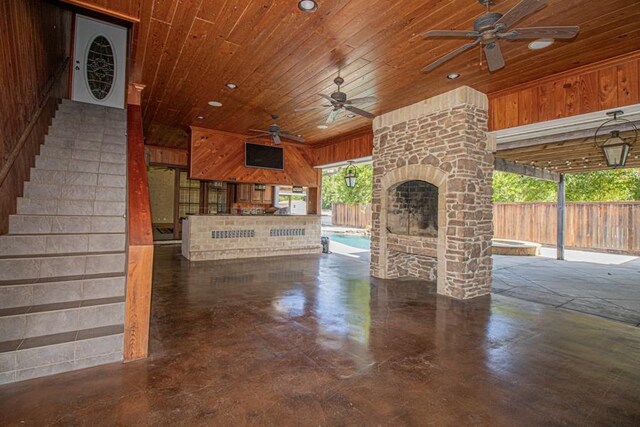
(432, 208)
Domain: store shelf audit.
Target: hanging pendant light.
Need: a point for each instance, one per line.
(615, 148)
(351, 177)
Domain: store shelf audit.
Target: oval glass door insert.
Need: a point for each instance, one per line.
(100, 67)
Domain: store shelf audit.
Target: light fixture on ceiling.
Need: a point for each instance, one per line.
(308, 5)
(351, 115)
(215, 103)
(323, 127)
(200, 117)
(351, 177)
(615, 148)
(453, 76)
(231, 85)
(540, 44)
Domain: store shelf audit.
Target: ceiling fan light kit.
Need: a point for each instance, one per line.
(492, 27)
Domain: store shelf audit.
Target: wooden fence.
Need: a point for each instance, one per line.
(345, 215)
(607, 226)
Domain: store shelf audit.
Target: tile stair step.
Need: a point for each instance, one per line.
(82, 154)
(37, 190)
(50, 292)
(65, 278)
(65, 224)
(77, 144)
(18, 323)
(50, 354)
(50, 267)
(78, 165)
(48, 244)
(43, 176)
(38, 206)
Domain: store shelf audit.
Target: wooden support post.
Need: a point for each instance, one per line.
(140, 238)
(561, 217)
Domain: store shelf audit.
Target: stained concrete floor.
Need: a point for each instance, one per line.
(313, 340)
(587, 284)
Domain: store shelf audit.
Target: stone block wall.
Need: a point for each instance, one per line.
(442, 141)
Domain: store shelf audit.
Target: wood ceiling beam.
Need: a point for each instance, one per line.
(510, 166)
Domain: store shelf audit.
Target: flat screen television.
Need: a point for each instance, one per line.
(263, 156)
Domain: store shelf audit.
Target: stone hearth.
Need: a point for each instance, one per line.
(432, 209)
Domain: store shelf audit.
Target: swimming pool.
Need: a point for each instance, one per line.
(353, 240)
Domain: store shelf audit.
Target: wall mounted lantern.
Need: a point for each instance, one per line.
(351, 177)
(615, 148)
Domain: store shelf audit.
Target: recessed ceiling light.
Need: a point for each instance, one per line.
(453, 76)
(351, 115)
(307, 5)
(323, 126)
(215, 103)
(540, 44)
(200, 117)
(231, 85)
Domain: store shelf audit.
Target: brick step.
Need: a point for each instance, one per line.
(50, 292)
(65, 224)
(18, 323)
(42, 355)
(28, 206)
(56, 244)
(24, 269)
(43, 176)
(81, 154)
(78, 165)
(37, 190)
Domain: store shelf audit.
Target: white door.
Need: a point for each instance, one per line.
(99, 62)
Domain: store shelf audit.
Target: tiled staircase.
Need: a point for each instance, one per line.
(62, 264)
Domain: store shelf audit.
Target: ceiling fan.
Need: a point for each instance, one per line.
(276, 133)
(492, 27)
(339, 101)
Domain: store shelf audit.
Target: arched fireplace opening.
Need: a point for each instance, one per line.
(413, 209)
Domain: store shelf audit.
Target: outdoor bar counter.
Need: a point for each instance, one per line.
(212, 237)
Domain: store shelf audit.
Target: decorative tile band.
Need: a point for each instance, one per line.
(286, 232)
(232, 234)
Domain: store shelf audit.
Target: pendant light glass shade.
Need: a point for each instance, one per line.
(351, 177)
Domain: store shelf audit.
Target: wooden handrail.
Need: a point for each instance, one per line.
(140, 245)
(48, 90)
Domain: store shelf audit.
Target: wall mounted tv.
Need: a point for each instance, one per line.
(263, 156)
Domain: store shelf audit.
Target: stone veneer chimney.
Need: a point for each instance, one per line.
(441, 141)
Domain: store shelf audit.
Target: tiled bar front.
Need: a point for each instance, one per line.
(229, 237)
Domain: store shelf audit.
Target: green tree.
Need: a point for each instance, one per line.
(335, 190)
(607, 185)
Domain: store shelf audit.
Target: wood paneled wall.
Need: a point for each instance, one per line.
(129, 10)
(348, 147)
(219, 156)
(600, 86)
(34, 45)
(158, 155)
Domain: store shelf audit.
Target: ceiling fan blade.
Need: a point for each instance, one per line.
(363, 100)
(360, 112)
(262, 135)
(521, 11)
(452, 33)
(258, 130)
(327, 97)
(541, 32)
(288, 135)
(276, 139)
(332, 115)
(495, 60)
(450, 56)
(315, 107)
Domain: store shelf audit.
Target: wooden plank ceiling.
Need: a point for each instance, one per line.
(281, 58)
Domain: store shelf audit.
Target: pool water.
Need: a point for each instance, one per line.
(353, 240)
